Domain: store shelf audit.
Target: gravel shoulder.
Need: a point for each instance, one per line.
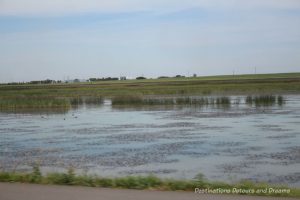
(16, 191)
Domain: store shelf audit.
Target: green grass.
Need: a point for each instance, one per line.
(55, 95)
(19, 102)
(22, 102)
(138, 182)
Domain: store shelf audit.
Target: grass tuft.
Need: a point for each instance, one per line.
(138, 182)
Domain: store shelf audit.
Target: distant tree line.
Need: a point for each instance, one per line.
(161, 77)
(49, 81)
(104, 79)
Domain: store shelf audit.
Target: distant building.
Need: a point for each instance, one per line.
(123, 78)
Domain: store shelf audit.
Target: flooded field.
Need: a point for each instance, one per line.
(240, 138)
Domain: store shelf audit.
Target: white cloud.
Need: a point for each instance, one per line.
(142, 46)
(62, 7)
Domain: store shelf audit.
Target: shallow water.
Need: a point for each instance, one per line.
(240, 141)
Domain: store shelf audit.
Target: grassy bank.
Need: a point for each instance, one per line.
(146, 182)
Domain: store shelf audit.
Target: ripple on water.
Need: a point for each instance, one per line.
(236, 141)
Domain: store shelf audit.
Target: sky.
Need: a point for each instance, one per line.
(68, 39)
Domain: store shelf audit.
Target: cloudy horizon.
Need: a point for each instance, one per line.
(62, 39)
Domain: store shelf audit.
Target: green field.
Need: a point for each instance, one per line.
(61, 95)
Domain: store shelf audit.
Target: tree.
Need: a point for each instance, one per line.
(140, 78)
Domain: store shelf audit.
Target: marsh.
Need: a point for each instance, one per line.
(228, 143)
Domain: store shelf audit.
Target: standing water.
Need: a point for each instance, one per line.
(244, 140)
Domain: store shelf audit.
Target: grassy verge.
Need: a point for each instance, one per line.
(149, 182)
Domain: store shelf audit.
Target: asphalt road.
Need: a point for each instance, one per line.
(19, 191)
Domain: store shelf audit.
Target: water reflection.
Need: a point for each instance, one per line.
(196, 102)
(177, 140)
(265, 100)
(156, 103)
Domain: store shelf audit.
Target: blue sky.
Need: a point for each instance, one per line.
(89, 38)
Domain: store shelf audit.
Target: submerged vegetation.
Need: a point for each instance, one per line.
(265, 100)
(37, 102)
(143, 182)
(197, 101)
(79, 101)
(34, 102)
(219, 102)
(67, 95)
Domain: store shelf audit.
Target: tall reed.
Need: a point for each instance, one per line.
(265, 100)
